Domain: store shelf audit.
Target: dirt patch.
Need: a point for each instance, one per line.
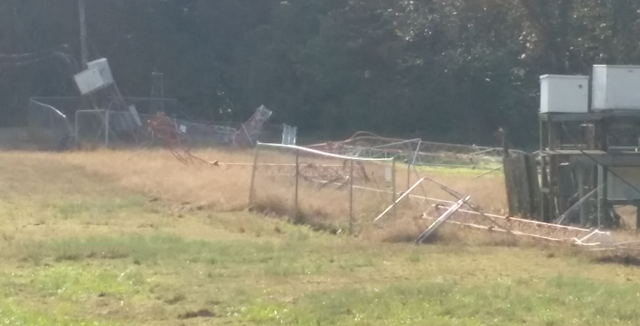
(202, 313)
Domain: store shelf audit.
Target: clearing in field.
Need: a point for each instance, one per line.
(137, 238)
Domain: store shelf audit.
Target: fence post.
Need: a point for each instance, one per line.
(294, 136)
(284, 135)
(297, 180)
(351, 198)
(415, 155)
(106, 131)
(581, 194)
(637, 204)
(408, 174)
(253, 172)
(393, 185)
(76, 131)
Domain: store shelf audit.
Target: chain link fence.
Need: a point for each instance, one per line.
(324, 190)
(48, 125)
(415, 151)
(61, 122)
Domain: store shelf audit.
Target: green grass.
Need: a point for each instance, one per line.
(504, 302)
(311, 280)
(71, 281)
(74, 254)
(99, 208)
(12, 315)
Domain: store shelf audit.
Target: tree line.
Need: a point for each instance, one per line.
(446, 70)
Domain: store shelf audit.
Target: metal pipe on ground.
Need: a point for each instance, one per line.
(435, 225)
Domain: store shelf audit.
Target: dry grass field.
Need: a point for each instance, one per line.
(137, 238)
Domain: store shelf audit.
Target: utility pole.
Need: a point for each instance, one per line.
(84, 53)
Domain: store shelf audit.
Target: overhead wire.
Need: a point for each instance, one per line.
(19, 60)
(36, 53)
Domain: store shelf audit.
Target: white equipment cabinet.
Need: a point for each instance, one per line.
(616, 87)
(564, 94)
(89, 81)
(103, 67)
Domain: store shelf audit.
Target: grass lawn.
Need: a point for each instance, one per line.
(79, 246)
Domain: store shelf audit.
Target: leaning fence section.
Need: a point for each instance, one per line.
(373, 196)
(48, 125)
(415, 151)
(60, 122)
(94, 128)
(321, 189)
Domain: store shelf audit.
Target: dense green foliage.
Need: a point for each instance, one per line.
(453, 70)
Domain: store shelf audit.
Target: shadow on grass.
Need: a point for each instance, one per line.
(316, 219)
(626, 259)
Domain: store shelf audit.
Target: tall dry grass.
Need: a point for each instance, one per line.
(157, 173)
(225, 187)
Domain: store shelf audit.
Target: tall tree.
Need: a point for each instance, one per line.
(452, 70)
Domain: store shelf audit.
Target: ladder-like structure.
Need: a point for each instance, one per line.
(578, 155)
